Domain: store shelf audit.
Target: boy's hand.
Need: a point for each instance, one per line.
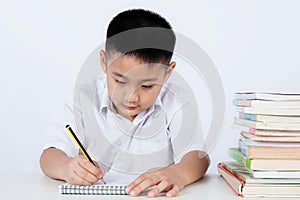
(163, 179)
(79, 171)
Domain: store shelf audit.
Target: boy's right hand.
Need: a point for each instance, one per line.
(79, 171)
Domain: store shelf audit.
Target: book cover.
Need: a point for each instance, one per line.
(260, 132)
(264, 164)
(269, 118)
(268, 96)
(269, 111)
(263, 152)
(266, 103)
(268, 126)
(232, 180)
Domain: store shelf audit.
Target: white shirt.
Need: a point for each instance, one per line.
(157, 137)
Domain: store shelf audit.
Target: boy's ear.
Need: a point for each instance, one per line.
(103, 61)
(169, 71)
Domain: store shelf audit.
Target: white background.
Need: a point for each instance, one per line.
(254, 44)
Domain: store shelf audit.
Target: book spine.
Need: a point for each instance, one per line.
(266, 96)
(238, 156)
(269, 111)
(252, 131)
(231, 173)
(239, 102)
(247, 116)
(275, 126)
(229, 177)
(243, 148)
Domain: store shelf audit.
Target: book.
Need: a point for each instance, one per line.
(246, 175)
(252, 176)
(268, 126)
(276, 174)
(263, 152)
(280, 140)
(235, 183)
(95, 189)
(270, 111)
(266, 103)
(269, 118)
(261, 132)
(250, 142)
(246, 189)
(268, 96)
(264, 164)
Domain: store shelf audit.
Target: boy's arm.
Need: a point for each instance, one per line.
(56, 164)
(52, 162)
(173, 178)
(193, 166)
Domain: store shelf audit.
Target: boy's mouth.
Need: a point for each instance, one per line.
(127, 107)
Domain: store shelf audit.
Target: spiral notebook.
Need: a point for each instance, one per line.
(96, 189)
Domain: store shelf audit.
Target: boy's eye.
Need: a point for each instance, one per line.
(147, 86)
(120, 82)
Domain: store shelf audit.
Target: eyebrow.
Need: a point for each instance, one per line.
(142, 81)
(119, 75)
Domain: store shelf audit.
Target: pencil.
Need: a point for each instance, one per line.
(81, 148)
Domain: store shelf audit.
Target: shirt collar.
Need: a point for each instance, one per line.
(102, 95)
(157, 104)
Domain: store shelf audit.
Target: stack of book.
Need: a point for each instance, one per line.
(267, 159)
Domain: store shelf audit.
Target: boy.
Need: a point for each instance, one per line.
(133, 93)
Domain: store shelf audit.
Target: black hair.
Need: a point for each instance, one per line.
(142, 34)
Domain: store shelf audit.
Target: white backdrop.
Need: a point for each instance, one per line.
(254, 44)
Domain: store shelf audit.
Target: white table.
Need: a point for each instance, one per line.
(19, 186)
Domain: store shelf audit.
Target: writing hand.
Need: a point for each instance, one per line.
(79, 171)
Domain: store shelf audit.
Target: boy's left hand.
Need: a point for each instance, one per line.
(163, 179)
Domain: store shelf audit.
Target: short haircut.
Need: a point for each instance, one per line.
(151, 39)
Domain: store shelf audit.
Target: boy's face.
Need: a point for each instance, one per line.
(133, 86)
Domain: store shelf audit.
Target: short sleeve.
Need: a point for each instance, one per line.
(59, 137)
(184, 125)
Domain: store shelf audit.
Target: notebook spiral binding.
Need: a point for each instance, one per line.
(93, 190)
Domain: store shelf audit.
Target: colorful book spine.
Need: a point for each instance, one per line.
(238, 156)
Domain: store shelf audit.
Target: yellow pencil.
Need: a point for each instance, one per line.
(81, 148)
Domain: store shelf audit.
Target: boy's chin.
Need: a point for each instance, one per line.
(129, 115)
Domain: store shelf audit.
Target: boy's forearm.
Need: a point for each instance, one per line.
(52, 163)
(193, 166)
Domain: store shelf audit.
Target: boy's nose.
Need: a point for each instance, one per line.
(131, 97)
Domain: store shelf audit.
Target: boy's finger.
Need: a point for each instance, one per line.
(83, 173)
(92, 168)
(134, 183)
(174, 191)
(159, 188)
(78, 180)
(146, 183)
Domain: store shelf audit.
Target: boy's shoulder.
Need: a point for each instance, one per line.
(174, 95)
(178, 89)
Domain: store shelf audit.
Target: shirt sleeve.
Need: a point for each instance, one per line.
(59, 137)
(184, 127)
